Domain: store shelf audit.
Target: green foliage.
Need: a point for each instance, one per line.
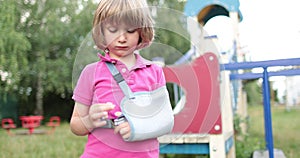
(177, 5)
(55, 31)
(245, 144)
(39, 41)
(13, 47)
(245, 147)
(254, 94)
(172, 39)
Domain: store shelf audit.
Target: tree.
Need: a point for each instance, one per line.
(171, 37)
(54, 28)
(13, 48)
(39, 41)
(254, 94)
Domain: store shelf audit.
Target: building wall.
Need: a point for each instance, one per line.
(293, 90)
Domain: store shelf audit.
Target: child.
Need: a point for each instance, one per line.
(120, 28)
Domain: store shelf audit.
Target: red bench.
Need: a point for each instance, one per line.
(31, 122)
(54, 122)
(7, 124)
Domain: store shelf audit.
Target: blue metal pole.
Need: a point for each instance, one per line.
(267, 113)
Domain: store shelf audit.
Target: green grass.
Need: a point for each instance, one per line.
(62, 143)
(286, 127)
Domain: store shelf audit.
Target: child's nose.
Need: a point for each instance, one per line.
(122, 37)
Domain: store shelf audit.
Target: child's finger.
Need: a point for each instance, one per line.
(101, 115)
(98, 108)
(105, 107)
(125, 132)
(117, 129)
(126, 136)
(123, 129)
(100, 123)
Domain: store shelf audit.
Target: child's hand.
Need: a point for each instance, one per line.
(98, 113)
(123, 129)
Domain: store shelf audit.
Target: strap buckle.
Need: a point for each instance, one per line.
(119, 120)
(118, 77)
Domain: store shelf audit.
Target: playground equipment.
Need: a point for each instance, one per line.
(204, 121)
(203, 114)
(7, 124)
(30, 123)
(54, 122)
(200, 127)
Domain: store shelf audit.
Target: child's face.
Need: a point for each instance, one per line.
(121, 39)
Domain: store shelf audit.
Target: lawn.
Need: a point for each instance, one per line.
(286, 127)
(62, 143)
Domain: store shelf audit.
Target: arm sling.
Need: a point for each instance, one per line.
(149, 113)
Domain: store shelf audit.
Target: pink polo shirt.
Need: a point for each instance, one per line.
(96, 85)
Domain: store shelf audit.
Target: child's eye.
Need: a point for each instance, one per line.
(131, 30)
(112, 29)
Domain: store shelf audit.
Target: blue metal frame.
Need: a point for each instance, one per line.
(267, 113)
(266, 87)
(261, 64)
(291, 72)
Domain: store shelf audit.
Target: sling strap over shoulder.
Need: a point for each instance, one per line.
(120, 80)
(149, 113)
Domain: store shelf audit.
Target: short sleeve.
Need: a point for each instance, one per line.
(84, 89)
(160, 80)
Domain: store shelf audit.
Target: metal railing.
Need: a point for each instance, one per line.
(265, 87)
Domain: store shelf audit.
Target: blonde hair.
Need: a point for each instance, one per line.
(134, 13)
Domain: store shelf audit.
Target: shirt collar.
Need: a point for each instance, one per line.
(140, 61)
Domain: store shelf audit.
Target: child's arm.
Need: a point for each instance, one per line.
(85, 118)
